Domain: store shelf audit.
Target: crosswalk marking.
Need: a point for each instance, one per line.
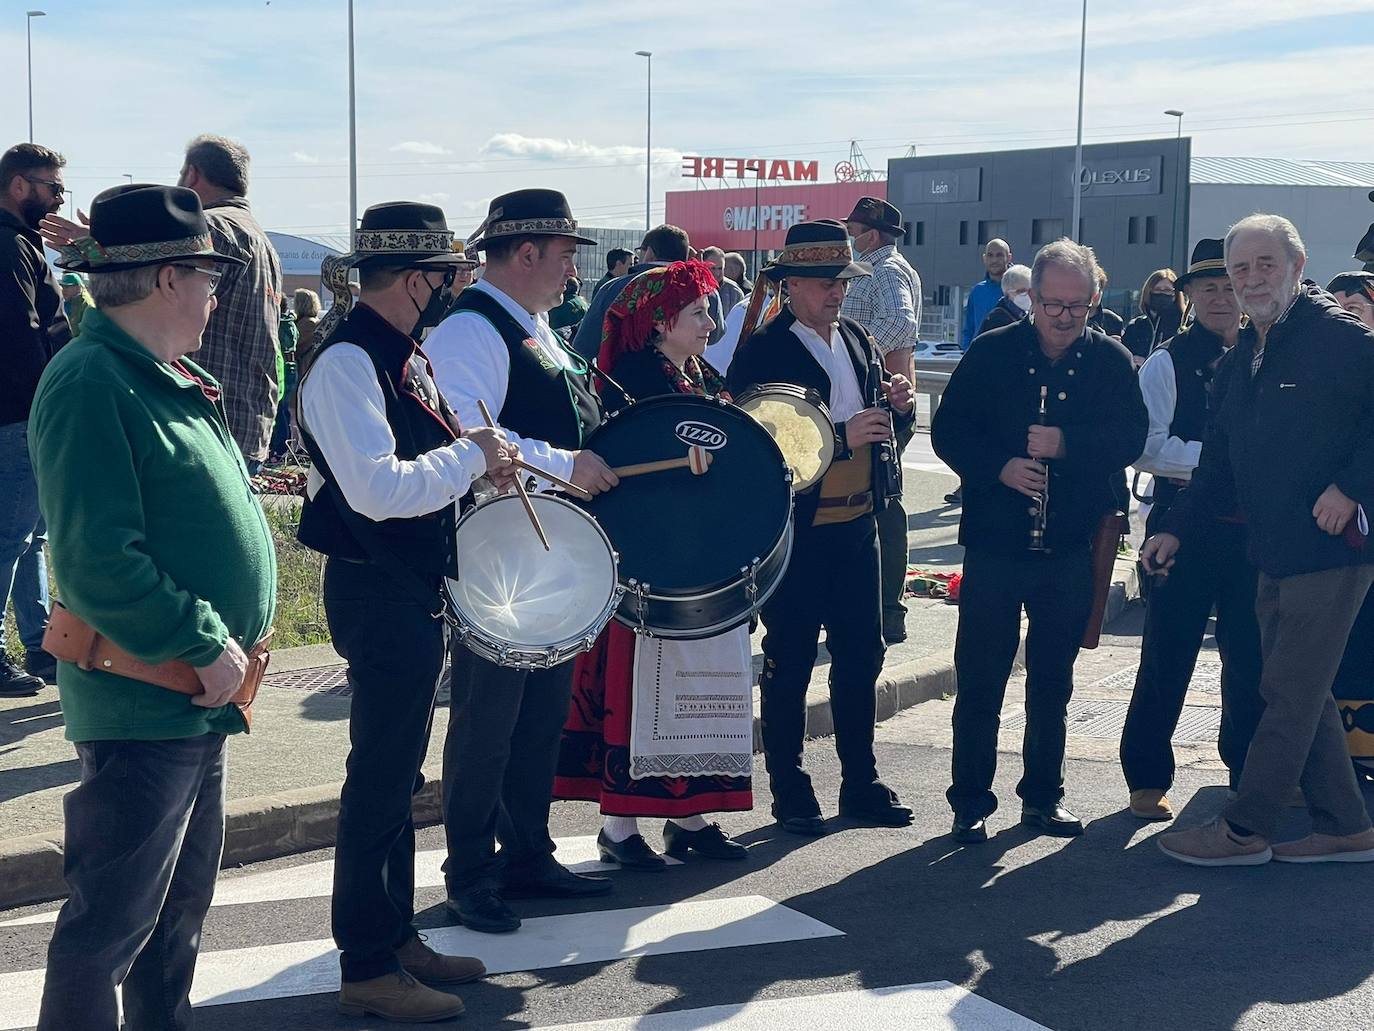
(312, 967)
(936, 1006)
(315, 880)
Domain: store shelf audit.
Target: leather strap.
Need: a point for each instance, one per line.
(847, 501)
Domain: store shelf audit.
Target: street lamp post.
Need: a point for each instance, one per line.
(1178, 172)
(352, 143)
(648, 129)
(28, 31)
(1078, 149)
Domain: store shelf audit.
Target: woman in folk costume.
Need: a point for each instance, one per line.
(652, 341)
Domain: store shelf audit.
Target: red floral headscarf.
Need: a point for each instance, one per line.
(658, 295)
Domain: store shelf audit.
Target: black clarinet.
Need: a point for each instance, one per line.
(1040, 510)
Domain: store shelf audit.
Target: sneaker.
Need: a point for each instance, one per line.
(14, 682)
(1215, 844)
(397, 997)
(42, 665)
(430, 967)
(1327, 848)
(1151, 804)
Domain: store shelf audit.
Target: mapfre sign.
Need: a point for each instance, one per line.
(750, 168)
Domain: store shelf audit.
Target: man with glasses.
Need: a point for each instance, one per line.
(1011, 461)
(32, 328)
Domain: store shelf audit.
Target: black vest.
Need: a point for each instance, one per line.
(1196, 353)
(420, 420)
(544, 401)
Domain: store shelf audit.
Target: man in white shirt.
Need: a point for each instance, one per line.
(505, 724)
(1181, 383)
(390, 463)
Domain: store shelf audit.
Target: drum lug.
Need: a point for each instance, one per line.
(752, 591)
(640, 591)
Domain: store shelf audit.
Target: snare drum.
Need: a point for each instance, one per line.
(699, 555)
(521, 606)
(799, 422)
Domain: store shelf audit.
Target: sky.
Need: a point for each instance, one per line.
(459, 101)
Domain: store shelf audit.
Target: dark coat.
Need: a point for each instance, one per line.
(1282, 436)
(1004, 313)
(992, 399)
(1146, 332)
(32, 325)
(775, 355)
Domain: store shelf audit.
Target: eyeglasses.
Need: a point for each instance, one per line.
(57, 188)
(214, 275)
(1054, 309)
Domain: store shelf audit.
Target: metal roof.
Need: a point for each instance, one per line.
(1281, 172)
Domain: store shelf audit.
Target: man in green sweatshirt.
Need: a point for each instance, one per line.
(159, 545)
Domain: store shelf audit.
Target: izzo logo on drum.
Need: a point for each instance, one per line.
(701, 434)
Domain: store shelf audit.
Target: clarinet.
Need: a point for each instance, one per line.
(1040, 509)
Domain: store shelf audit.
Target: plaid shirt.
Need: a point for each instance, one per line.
(240, 343)
(887, 303)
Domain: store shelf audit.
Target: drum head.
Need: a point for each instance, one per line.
(799, 425)
(681, 533)
(511, 591)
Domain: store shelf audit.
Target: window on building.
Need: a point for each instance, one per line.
(1151, 228)
(992, 229)
(916, 232)
(963, 234)
(1133, 229)
(944, 297)
(1046, 230)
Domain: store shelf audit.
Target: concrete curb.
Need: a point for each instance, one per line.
(268, 826)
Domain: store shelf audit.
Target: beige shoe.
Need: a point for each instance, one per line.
(397, 997)
(1328, 848)
(1215, 844)
(1151, 804)
(424, 964)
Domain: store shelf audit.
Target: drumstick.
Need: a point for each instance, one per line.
(697, 459)
(519, 487)
(567, 485)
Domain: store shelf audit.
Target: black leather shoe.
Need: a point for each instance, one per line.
(553, 881)
(14, 682)
(874, 803)
(1054, 820)
(894, 629)
(970, 830)
(483, 910)
(633, 853)
(710, 843)
(41, 664)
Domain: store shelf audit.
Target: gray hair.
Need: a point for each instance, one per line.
(1275, 225)
(221, 160)
(1064, 253)
(115, 289)
(1016, 277)
(720, 251)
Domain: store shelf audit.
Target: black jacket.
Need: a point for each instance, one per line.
(993, 398)
(32, 325)
(775, 355)
(1282, 436)
(587, 340)
(1109, 322)
(1146, 332)
(1003, 313)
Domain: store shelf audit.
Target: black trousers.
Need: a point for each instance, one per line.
(831, 582)
(1056, 593)
(1213, 571)
(395, 655)
(499, 760)
(894, 547)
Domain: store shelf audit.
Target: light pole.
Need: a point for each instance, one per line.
(352, 143)
(648, 128)
(1078, 149)
(1178, 172)
(129, 177)
(28, 31)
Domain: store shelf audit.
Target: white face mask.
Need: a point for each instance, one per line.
(1022, 301)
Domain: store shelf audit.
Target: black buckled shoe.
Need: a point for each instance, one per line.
(633, 853)
(875, 804)
(970, 830)
(1054, 820)
(483, 910)
(710, 843)
(553, 880)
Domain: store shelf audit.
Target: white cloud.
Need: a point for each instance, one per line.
(422, 147)
(563, 152)
(304, 158)
(434, 198)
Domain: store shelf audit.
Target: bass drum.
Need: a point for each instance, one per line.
(699, 554)
(798, 420)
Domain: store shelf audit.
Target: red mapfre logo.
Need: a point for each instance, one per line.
(750, 168)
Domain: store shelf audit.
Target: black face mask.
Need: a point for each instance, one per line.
(433, 311)
(1162, 305)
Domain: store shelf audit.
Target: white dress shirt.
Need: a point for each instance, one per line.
(722, 352)
(845, 401)
(470, 361)
(342, 407)
(1164, 455)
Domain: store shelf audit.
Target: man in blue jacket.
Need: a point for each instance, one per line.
(986, 293)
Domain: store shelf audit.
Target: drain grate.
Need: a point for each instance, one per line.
(1105, 718)
(332, 680)
(1206, 677)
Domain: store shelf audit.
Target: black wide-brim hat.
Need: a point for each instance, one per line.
(1208, 260)
(528, 213)
(877, 213)
(140, 224)
(818, 250)
(406, 234)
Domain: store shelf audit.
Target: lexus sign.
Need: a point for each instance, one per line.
(1118, 177)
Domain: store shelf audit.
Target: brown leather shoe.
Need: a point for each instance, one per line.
(1151, 804)
(424, 964)
(397, 997)
(1328, 848)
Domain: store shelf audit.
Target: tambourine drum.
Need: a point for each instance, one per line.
(799, 423)
(699, 555)
(519, 605)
